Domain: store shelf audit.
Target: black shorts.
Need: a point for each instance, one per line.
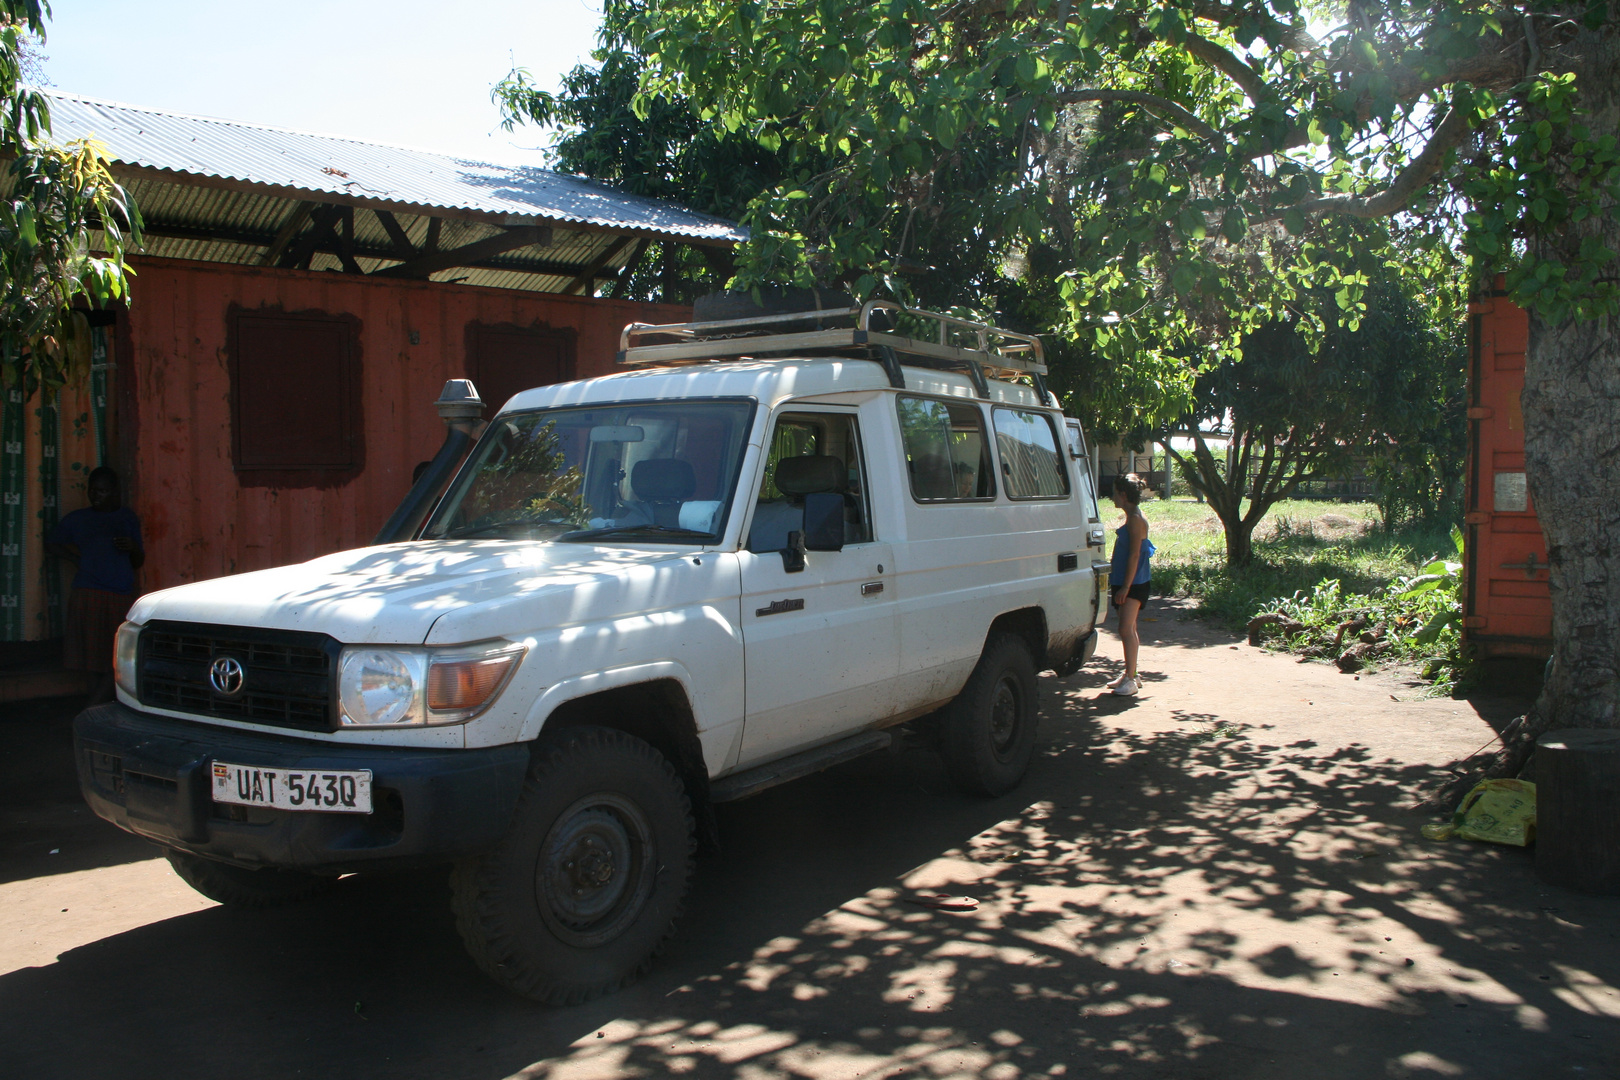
(1139, 593)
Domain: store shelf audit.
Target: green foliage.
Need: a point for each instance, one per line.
(1322, 576)
(1420, 629)
(656, 146)
(1180, 173)
(1542, 173)
(1301, 407)
(58, 194)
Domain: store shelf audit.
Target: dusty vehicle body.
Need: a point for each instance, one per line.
(742, 560)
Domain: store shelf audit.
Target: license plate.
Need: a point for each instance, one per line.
(335, 792)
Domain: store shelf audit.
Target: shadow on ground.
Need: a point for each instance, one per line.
(45, 827)
(1203, 899)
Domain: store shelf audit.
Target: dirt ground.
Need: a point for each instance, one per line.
(1222, 878)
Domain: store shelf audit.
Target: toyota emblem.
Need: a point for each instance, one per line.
(225, 676)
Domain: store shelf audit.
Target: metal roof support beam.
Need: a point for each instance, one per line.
(622, 282)
(344, 242)
(467, 254)
(321, 222)
(295, 221)
(362, 250)
(402, 243)
(587, 278)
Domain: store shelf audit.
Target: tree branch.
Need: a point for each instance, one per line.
(1163, 108)
(1224, 60)
(1293, 37)
(1412, 179)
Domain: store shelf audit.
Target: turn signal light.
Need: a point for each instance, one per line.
(455, 685)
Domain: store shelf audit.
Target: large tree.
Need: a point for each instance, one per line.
(58, 195)
(1158, 145)
(1292, 410)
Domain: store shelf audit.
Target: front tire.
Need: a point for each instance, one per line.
(237, 886)
(587, 885)
(987, 734)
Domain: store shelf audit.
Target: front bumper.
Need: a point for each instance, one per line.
(149, 774)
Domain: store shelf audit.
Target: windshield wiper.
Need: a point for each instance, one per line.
(660, 531)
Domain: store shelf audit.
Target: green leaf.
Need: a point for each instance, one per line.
(1431, 629)
(1234, 225)
(27, 233)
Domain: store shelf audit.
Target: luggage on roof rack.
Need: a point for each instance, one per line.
(848, 333)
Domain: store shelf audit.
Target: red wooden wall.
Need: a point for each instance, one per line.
(201, 520)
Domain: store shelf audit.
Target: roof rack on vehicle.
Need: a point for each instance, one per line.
(849, 333)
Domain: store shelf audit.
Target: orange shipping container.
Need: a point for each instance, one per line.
(1507, 608)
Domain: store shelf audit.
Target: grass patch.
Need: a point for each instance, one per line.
(1298, 545)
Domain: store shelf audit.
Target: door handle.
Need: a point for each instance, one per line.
(1529, 566)
(1094, 538)
(871, 588)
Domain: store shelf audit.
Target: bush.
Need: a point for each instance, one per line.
(1323, 576)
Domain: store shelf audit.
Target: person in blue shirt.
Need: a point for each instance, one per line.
(1129, 575)
(104, 542)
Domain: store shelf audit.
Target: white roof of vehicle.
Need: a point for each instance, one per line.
(768, 381)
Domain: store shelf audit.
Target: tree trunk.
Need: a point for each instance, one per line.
(1239, 541)
(1572, 448)
(1572, 455)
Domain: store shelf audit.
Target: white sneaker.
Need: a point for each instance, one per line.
(1127, 688)
(1115, 681)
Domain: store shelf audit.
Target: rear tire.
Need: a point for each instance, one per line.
(987, 734)
(237, 886)
(587, 885)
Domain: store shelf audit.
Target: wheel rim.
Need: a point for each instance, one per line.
(1006, 712)
(595, 870)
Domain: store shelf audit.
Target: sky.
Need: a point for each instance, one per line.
(406, 72)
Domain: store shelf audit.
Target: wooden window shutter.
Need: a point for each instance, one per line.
(295, 392)
(506, 360)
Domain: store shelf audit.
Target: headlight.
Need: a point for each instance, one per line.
(377, 686)
(422, 686)
(129, 636)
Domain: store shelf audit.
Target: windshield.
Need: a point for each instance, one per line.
(660, 472)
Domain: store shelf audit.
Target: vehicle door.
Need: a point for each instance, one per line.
(1096, 549)
(820, 644)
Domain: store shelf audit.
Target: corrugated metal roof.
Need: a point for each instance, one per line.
(349, 169)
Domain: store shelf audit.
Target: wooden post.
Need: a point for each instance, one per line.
(1578, 809)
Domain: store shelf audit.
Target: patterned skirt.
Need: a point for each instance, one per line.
(93, 617)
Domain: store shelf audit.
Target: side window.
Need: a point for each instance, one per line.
(810, 453)
(947, 455)
(1082, 467)
(1030, 463)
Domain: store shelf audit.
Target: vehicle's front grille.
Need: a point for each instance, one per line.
(286, 676)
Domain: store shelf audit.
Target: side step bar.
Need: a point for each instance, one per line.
(752, 781)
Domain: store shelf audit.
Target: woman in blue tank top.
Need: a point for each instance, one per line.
(1130, 574)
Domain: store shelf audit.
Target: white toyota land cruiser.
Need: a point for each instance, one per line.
(752, 556)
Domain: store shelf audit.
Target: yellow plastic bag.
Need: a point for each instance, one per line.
(1500, 811)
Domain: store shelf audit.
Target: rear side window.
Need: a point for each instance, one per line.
(1031, 466)
(947, 454)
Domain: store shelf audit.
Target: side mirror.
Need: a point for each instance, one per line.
(824, 522)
